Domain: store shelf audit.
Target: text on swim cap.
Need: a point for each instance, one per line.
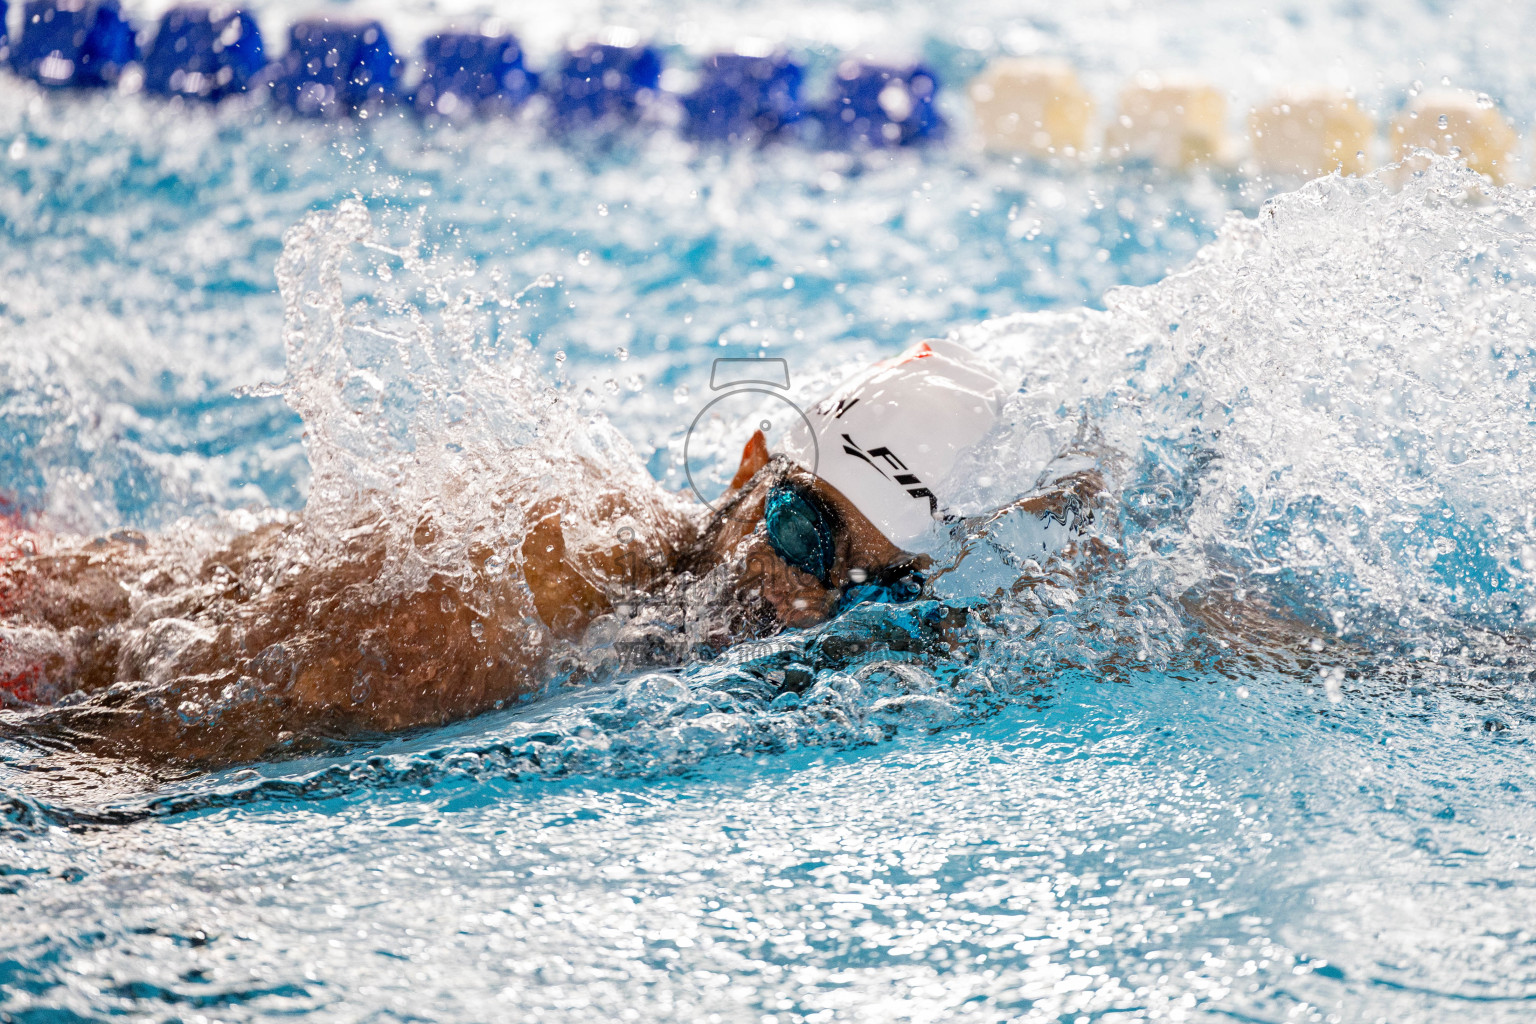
(906, 479)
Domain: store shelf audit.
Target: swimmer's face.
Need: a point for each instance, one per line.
(759, 574)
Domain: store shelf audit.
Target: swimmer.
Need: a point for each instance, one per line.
(261, 649)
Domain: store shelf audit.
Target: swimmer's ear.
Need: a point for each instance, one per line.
(753, 458)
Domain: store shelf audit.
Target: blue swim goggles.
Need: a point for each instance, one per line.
(802, 529)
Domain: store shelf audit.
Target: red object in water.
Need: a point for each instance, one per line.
(12, 532)
(15, 543)
(24, 685)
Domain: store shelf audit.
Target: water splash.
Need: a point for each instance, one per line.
(1334, 404)
(1316, 436)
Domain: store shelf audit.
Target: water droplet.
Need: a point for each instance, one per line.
(584, 257)
(477, 630)
(1333, 683)
(622, 353)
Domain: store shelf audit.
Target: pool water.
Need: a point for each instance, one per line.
(1101, 806)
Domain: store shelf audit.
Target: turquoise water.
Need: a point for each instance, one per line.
(1115, 852)
(1099, 807)
(672, 257)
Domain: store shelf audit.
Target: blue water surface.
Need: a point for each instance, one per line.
(1068, 821)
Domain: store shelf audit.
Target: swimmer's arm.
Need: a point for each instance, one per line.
(1084, 490)
(577, 563)
(1254, 632)
(321, 654)
(1077, 501)
(565, 598)
(1249, 629)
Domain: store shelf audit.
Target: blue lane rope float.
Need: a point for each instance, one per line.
(73, 44)
(472, 73)
(203, 54)
(876, 106)
(744, 99)
(335, 67)
(338, 68)
(603, 84)
(346, 68)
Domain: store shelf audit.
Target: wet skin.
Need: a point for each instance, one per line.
(795, 598)
(276, 658)
(282, 659)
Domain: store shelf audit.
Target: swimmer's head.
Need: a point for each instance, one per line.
(889, 438)
(804, 541)
(785, 549)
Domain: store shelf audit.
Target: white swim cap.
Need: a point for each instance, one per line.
(889, 437)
